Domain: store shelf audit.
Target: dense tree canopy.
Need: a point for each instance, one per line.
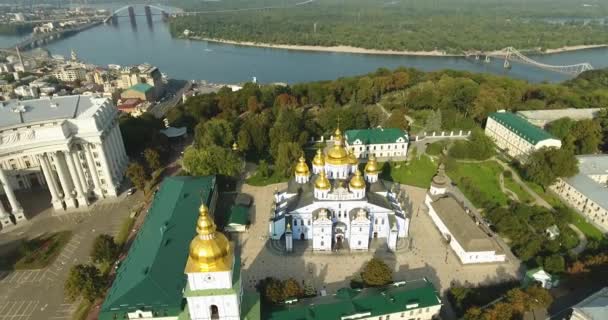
(376, 273)
(544, 166)
(414, 25)
(212, 160)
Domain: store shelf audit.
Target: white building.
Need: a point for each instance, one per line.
(516, 136)
(386, 144)
(27, 91)
(594, 307)
(587, 191)
(71, 74)
(467, 240)
(71, 145)
(337, 207)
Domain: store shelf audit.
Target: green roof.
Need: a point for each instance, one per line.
(521, 127)
(141, 87)
(375, 136)
(152, 275)
(399, 297)
(239, 215)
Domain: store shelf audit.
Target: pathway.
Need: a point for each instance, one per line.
(505, 190)
(582, 240)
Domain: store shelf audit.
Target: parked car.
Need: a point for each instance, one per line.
(131, 191)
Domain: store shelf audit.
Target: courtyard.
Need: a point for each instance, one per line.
(423, 254)
(38, 294)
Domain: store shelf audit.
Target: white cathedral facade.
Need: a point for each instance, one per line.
(336, 206)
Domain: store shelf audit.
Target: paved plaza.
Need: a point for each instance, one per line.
(38, 294)
(424, 254)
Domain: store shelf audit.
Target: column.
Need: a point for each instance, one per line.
(80, 172)
(64, 178)
(93, 170)
(17, 210)
(49, 178)
(81, 197)
(110, 187)
(5, 217)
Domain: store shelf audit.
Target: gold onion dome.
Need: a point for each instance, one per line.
(372, 165)
(235, 146)
(337, 154)
(322, 182)
(318, 159)
(209, 250)
(357, 181)
(301, 167)
(352, 159)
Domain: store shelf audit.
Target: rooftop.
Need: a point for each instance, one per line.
(16, 112)
(375, 135)
(141, 87)
(594, 307)
(542, 117)
(399, 297)
(463, 228)
(521, 127)
(591, 165)
(152, 275)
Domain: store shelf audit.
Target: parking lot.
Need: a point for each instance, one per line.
(38, 294)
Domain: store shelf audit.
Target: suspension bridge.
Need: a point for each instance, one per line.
(511, 54)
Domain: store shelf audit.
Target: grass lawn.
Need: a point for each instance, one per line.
(522, 194)
(478, 181)
(125, 229)
(551, 198)
(259, 181)
(418, 172)
(435, 148)
(590, 231)
(82, 311)
(37, 253)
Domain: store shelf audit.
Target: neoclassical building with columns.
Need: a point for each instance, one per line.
(70, 145)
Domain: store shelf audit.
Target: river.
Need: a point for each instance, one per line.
(125, 44)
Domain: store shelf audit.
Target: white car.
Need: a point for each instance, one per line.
(131, 191)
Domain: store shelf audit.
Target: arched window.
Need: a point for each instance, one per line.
(215, 313)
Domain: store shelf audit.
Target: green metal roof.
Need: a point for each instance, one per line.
(152, 276)
(521, 127)
(239, 215)
(141, 87)
(375, 136)
(399, 297)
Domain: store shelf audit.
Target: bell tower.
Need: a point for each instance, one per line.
(214, 279)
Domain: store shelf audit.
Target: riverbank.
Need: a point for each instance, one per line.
(357, 50)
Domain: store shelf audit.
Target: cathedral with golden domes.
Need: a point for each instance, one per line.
(336, 206)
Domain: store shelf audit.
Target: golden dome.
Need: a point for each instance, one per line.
(337, 154)
(352, 159)
(372, 165)
(322, 182)
(235, 146)
(357, 181)
(210, 250)
(301, 167)
(318, 159)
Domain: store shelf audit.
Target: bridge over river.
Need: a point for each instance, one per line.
(511, 54)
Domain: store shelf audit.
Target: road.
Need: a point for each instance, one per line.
(160, 109)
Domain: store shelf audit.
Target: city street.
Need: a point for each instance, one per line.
(38, 294)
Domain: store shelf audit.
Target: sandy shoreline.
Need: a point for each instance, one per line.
(349, 49)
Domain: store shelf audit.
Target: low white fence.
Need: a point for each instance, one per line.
(442, 135)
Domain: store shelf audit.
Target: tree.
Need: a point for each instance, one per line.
(292, 289)
(554, 264)
(217, 132)
(84, 280)
(152, 159)
(397, 120)
(544, 166)
(376, 273)
(104, 249)
(288, 155)
(137, 174)
(212, 160)
(273, 290)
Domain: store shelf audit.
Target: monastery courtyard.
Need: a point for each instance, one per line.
(426, 257)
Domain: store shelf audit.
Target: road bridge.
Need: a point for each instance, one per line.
(511, 54)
